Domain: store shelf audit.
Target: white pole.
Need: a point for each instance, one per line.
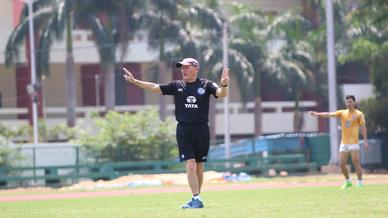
(33, 72)
(226, 99)
(97, 84)
(332, 82)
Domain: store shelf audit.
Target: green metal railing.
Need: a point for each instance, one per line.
(52, 175)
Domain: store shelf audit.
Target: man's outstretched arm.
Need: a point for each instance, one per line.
(322, 114)
(153, 87)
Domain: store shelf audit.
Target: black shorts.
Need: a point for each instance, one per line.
(193, 141)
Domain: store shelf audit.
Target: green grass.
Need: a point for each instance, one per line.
(369, 201)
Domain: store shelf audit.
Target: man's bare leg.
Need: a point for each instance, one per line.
(191, 172)
(355, 154)
(200, 170)
(343, 159)
(195, 186)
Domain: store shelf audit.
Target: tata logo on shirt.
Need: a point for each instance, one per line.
(191, 102)
(191, 99)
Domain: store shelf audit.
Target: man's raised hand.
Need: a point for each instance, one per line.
(225, 77)
(128, 75)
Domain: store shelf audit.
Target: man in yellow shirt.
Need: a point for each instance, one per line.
(351, 121)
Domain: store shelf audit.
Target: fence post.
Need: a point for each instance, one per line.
(254, 152)
(254, 146)
(34, 163)
(76, 163)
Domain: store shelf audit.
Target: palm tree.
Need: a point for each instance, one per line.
(57, 19)
(206, 23)
(52, 20)
(112, 33)
(293, 64)
(174, 31)
(246, 50)
(314, 12)
(252, 39)
(177, 29)
(198, 35)
(305, 34)
(293, 68)
(164, 30)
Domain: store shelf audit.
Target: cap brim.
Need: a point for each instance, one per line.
(180, 64)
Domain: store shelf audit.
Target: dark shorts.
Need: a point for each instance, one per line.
(193, 141)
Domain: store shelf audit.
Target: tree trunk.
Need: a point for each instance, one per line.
(258, 113)
(162, 80)
(71, 87)
(298, 114)
(110, 87)
(298, 121)
(310, 11)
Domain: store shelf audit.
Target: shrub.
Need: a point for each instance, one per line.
(130, 137)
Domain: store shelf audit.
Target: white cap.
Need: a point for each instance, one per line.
(186, 62)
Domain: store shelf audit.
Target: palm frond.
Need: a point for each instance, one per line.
(167, 7)
(43, 54)
(21, 32)
(36, 6)
(60, 20)
(288, 25)
(163, 29)
(251, 18)
(14, 42)
(206, 18)
(244, 71)
(103, 40)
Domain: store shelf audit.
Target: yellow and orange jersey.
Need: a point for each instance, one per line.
(351, 121)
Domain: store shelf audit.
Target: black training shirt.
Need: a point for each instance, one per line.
(191, 99)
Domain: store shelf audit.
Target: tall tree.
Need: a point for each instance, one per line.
(206, 22)
(293, 68)
(56, 19)
(251, 39)
(53, 21)
(113, 23)
(369, 33)
(164, 29)
(293, 63)
(315, 12)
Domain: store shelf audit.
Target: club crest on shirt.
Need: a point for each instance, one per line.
(201, 91)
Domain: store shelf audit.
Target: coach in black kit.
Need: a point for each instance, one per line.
(191, 98)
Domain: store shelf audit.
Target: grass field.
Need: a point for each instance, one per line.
(369, 201)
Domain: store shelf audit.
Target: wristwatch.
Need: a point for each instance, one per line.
(224, 85)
